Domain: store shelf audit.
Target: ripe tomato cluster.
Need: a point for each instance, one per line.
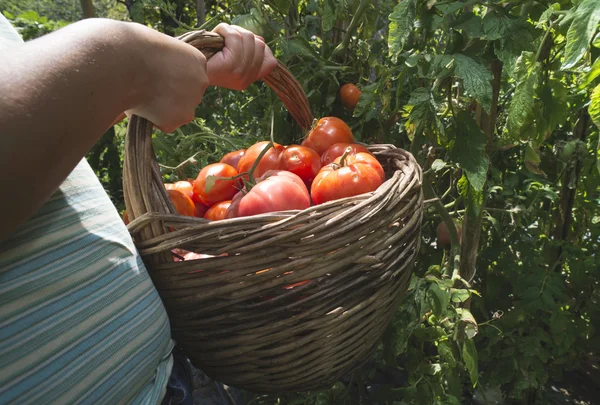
(326, 166)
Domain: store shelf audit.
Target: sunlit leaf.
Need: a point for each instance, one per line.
(581, 31)
(401, 24)
(476, 79)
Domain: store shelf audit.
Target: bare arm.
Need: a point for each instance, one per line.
(61, 92)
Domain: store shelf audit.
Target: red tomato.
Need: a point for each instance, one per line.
(182, 203)
(338, 149)
(328, 132)
(200, 209)
(270, 161)
(357, 174)
(222, 189)
(302, 161)
(350, 94)
(218, 211)
(277, 191)
(233, 158)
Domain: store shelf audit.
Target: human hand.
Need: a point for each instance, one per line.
(173, 76)
(244, 59)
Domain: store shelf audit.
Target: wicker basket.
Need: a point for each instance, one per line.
(237, 319)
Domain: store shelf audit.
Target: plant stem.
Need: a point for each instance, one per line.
(343, 47)
(189, 161)
(443, 213)
(344, 156)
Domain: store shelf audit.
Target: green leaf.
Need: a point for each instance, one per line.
(591, 75)
(460, 295)
(438, 165)
(594, 108)
(210, 183)
(581, 31)
(300, 46)
(468, 324)
(532, 160)
(497, 25)
(476, 79)
(402, 20)
(520, 110)
(446, 353)
(472, 25)
(545, 17)
(596, 41)
(439, 299)
(283, 6)
(469, 354)
(367, 100)
(327, 17)
(469, 150)
(423, 112)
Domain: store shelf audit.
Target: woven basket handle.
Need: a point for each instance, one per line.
(280, 79)
(142, 181)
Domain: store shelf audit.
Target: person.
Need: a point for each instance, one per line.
(80, 320)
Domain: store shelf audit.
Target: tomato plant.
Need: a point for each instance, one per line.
(328, 132)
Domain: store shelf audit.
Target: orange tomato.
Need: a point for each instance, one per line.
(222, 189)
(184, 186)
(218, 211)
(182, 203)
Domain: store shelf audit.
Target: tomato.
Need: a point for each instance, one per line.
(200, 209)
(233, 158)
(182, 203)
(302, 161)
(328, 132)
(270, 161)
(350, 94)
(222, 189)
(338, 149)
(443, 235)
(276, 191)
(354, 175)
(185, 187)
(218, 211)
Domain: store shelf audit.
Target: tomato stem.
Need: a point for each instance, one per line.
(344, 156)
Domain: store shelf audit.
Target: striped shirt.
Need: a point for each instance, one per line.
(80, 320)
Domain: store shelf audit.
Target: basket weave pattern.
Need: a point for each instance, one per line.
(232, 313)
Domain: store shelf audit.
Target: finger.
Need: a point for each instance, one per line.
(246, 68)
(269, 63)
(233, 43)
(259, 57)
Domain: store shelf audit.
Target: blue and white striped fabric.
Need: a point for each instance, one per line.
(80, 320)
